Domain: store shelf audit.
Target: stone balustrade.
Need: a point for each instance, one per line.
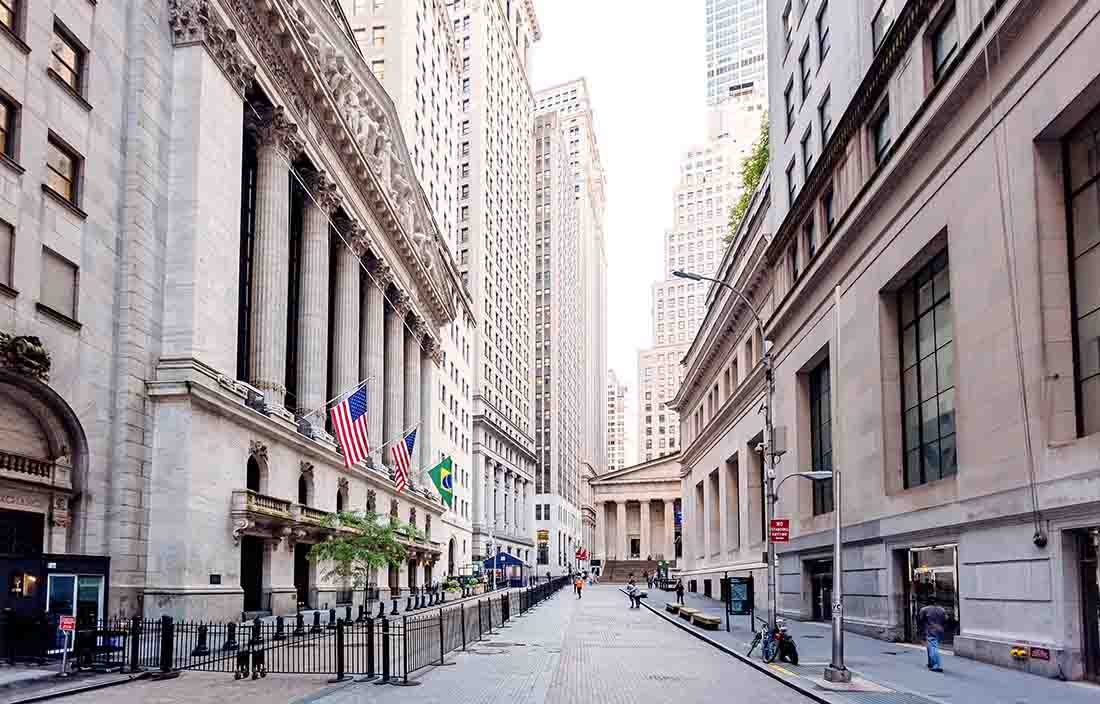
(26, 467)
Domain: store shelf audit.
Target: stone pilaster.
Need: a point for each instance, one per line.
(428, 349)
(414, 332)
(345, 321)
(313, 297)
(277, 142)
(645, 549)
(372, 345)
(395, 370)
(599, 548)
(670, 531)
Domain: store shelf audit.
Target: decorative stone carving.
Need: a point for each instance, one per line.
(323, 191)
(257, 449)
(354, 235)
(381, 272)
(59, 512)
(393, 508)
(240, 525)
(25, 355)
(194, 22)
(274, 128)
(342, 485)
(372, 501)
(307, 469)
(412, 517)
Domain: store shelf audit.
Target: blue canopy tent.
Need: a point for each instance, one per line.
(502, 562)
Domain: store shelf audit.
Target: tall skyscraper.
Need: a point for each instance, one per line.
(736, 48)
(387, 33)
(559, 365)
(710, 184)
(571, 101)
(616, 422)
(495, 257)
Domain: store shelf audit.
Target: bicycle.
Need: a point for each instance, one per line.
(775, 643)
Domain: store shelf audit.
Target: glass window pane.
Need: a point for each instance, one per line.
(7, 237)
(926, 334)
(59, 160)
(947, 412)
(1084, 152)
(1086, 219)
(949, 458)
(941, 284)
(944, 317)
(1087, 281)
(930, 420)
(925, 296)
(62, 589)
(908, 305)
(912, 428)
(928, 378)
(909, 347)
(945, 367)
(912, 468)
(931, 454)
(909, 388)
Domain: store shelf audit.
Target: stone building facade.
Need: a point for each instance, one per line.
(635, 511)
(227, 232)
(928, 290)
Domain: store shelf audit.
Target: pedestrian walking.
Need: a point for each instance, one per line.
(632, 592)
(578, 584)
(932, 620)
(680, 592)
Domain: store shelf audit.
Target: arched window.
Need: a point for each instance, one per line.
(253, 480)
(303, 490)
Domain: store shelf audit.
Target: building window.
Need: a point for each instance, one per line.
(792, 261)
(59, 284)
(825, 115)
(379, 69)
(881, 24)
(927, 369)
(880, 133)
(788, 26)
(1082, 152)
(63, 170)
(808, 239)
(67, 58)
(945, 43)
(791, 185)
(7, 253)
(8, 114)
(807, 154)
(805, 69)
(378, 37)
(827, 215)
(821, 436)
(9, 13)
(823, 31)
(789, 105)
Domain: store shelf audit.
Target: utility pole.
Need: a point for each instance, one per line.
(836, 671)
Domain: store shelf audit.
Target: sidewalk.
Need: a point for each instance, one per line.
(896, 666)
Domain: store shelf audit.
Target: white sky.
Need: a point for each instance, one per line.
(645, 65)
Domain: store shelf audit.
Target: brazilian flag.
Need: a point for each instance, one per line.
(441, 475)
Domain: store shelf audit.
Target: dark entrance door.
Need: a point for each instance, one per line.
(301, 574)
(821, 589)
(635, 547)
(1090, 601)
(21, 547)
(933, 580)
(252, 572)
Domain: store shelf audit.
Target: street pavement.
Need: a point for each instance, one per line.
(897, 666)
(565, 650)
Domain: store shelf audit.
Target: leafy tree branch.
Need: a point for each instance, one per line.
(752, 172)
(361, 544)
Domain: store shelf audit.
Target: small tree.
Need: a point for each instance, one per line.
(752, 172)
(362, 543)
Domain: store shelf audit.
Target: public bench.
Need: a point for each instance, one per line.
(672, 607)
(687, 613)
(707, 623)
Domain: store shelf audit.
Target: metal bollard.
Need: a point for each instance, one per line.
(340, 675)
(167, 644)
(386, 671)
(362, 614)
(394, 612)
(347, 614)
(280, 629)
(316, 628)
(331, 619)
(381, 609)
(230, 638)
(409, 604)
(135, 643)
(257, 632)
(299, 625)
(370, 649)
(201, 649)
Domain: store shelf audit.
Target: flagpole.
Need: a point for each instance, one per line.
(339, 396)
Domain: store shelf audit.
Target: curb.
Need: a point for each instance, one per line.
(79, 689)
(805, 691)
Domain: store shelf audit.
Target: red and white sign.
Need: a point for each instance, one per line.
(779, 530)
(582, 554)
(67, 623)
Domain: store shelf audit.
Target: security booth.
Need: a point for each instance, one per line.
(509, 568)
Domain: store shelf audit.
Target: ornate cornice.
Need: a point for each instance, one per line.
(327, 82)
(272, 127)
(195, 22)
(325, 195)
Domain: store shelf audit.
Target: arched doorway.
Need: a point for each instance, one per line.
(252, 480)
(451, 558)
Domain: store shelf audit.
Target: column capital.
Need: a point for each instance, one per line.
(381, 272)
(417, 327)
(323, 191)
(274, 129)
(193, 22)
(354, 234)
(401, 302)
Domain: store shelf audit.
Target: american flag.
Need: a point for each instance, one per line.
(402, 452)
(349, 419)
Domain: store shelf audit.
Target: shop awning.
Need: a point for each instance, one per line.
(503, 560)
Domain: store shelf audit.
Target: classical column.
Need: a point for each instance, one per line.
(645, 507)
(670, 530)
(313, 297)
(414, 332)
(506, 493)
(277, 142)
(395, 371)
(372, 345)
(428, 350)
(623, 547)
(598, 547)
(345, 308)
(498, 497)
(517, 520)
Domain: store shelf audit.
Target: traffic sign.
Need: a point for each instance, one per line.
(67, 623)
(780, 530)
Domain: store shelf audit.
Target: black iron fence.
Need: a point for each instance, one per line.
(341, 643)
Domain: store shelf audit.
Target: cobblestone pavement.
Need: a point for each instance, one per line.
(565, 650)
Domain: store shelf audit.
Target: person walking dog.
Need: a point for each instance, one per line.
(932, 620)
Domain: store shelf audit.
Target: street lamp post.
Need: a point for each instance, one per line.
(770, 455)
